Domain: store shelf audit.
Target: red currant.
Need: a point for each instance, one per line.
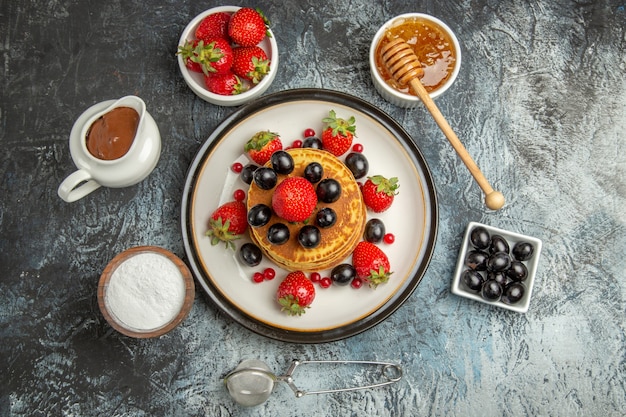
(258, 277)
(356, 283)
(296, 143)
(315, 277)
(389, 238)
(309, 132)
(239, 195)
(325, 282)
(357, 147)
(237, 167)
(269, 274)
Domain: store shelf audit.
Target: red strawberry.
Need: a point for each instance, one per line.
(262, 145)
(294, 199)
(187, 52)
(213, 26)
(213, 57)
(338, 134)
(227, 223)
(247, 27)
(295, 293)
(371, 263)
(379, 192)
(251, 63)
(226, 84)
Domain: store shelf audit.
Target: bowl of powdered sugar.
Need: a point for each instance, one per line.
(145, 291)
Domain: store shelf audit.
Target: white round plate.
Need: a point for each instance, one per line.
(338, 311)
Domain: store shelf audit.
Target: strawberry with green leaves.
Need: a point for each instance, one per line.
(338, 134)
(371, 264)
(262, 145)
(250, 63)
(379, 192)
(294, 199)
(226, 84)
(295, 293)
(213, 26)
(248, 27)
(227, 223)
(214, 56)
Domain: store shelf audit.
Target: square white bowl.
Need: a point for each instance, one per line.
(458, 286)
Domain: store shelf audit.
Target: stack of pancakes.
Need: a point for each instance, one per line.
(338, 241)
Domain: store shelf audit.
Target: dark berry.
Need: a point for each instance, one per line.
(476, 259)
(309, 237)
(247, 173)
(259, 215)
(513, 293)
(498, 244)
(312, 142)
(357, 163)
(517, 271)
(282, 162)
(523, 251)
(374, 231)
(479, 237)
(313, 172)
(343, 274)
(498, 262)
(278, 233)
(250, 254)
(491, 290)
(473, 279)
(265, 178)
(326, 217)
(328, 190)
(500, 277)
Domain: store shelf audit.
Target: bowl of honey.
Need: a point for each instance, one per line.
(434, 44)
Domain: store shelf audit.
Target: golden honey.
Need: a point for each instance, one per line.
(432, 45)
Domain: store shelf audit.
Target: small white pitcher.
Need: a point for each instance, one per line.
(129, 169)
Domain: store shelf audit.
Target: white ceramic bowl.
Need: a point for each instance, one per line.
(195, 80)
(459, 287)
(387, 91)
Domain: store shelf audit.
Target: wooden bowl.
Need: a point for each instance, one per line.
(125, 321)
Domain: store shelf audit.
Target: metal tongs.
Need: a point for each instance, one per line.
(252, 382)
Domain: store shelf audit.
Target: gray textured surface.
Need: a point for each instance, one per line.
(540, 103)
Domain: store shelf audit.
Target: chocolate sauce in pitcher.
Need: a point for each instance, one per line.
(111, 135)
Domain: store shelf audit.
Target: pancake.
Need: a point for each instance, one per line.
(338, 241)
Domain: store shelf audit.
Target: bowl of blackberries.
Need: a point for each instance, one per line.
(497, 267)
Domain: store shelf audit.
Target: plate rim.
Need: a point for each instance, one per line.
(326, 335)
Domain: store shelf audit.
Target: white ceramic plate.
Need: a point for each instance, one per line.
(337, 312)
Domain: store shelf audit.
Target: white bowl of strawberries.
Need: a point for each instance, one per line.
(228, 55)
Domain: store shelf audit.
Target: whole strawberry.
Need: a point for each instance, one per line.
(247, 27)
(338, 134)
(262, 145)
(295, 293)
(187, 52)
(294, 199)
(213, 26)
(227, 223)
(371, 264)
(379, 192)
(251, 63)
(215, 56)
(226, 84)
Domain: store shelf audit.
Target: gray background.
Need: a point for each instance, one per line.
(540, 104)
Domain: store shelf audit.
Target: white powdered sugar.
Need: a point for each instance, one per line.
(145, 292)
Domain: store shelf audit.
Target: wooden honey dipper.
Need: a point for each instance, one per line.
(404, 66)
